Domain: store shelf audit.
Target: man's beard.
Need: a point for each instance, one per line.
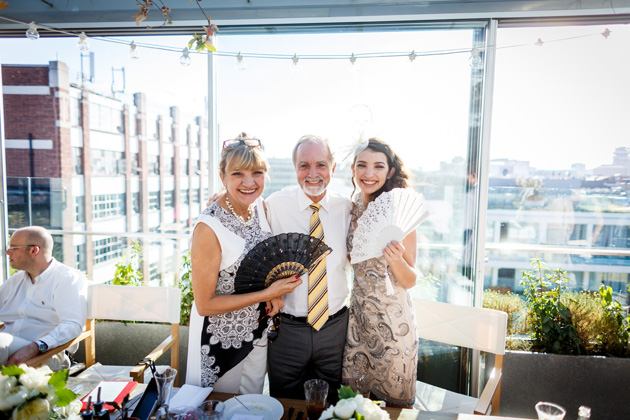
(313, 190)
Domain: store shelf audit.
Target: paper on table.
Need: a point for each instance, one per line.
(109, 390)
(189, 396)
(240, 416)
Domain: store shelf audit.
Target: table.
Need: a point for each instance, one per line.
(394, 413)
(299, 405)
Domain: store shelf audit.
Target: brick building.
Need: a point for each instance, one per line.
(81, 161)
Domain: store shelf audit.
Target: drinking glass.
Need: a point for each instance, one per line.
(315, 391)
(165, 381)
(182, 413)
(210, 410)
(549, 411)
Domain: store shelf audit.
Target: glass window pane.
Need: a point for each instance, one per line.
(560, 159)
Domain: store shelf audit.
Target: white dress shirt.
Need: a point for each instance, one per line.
(53, 309)
(289, 210)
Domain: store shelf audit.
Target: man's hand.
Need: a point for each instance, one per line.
(23, 354)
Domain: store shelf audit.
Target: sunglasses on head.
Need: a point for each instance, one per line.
(228, 144)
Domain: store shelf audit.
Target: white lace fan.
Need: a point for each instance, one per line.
(391, 217)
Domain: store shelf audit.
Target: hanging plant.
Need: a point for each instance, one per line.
(204, 42)
(145, 5)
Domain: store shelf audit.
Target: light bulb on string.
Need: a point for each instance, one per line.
(412, 56)
(475, 60)
(297, 67)
(353, 67)
(83, 43)
(539, 43)
(133, 50)
(240, 63)
(185, 60)
(31, 32)
(606, 33)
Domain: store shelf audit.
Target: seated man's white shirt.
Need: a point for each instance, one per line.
(289, 211)
(52, 309)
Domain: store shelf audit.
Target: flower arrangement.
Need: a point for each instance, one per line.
(353, 405)
(36, 394)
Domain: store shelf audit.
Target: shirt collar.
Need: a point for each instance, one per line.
(48, 272)
(304, 202)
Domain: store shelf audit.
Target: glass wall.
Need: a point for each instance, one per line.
(425, 106)
(560, 161)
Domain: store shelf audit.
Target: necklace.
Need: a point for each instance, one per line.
(250, 210)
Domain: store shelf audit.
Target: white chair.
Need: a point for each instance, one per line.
(126, 303)
(476, 328)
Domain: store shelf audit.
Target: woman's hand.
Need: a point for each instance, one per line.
(282, 287)
(274, 305)
(216, 196)
(394, 252)
(401, 259)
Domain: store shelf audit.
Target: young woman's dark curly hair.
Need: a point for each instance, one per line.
(399, 179)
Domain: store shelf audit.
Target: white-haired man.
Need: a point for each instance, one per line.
(312, 334)
(44, 305)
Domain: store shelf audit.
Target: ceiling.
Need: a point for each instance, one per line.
(116, 16)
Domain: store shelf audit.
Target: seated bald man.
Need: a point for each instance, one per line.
(44, 305)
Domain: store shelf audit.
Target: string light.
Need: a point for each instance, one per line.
(83, 43)
(475, 60)
(297, 66)
(240, 64)
(133, 50)
(31, 32)
(185, 60)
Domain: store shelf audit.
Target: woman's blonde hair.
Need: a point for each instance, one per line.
(243, 157)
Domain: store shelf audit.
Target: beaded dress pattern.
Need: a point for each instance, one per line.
(381, 349)
(226, 339)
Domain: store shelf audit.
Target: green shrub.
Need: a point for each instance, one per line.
(128, 271)
(615, 330)
(551, 320)
(511, 304)
(185, 285)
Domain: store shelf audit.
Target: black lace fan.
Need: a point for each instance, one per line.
(278, 257)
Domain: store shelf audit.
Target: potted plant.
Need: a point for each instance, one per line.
(578, 348)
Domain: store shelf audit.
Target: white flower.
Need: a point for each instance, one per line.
(71, 410)
(6, 383)
(35, 410)
(345, 408)
(327, 413)
(13, 397)
(34, 378)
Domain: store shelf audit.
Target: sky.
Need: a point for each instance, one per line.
(551, 104)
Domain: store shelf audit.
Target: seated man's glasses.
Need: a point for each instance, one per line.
(13, 248)
(228, 144)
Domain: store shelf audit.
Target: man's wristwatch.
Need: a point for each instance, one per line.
(41, 346)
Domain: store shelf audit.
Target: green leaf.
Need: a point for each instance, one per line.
(359, 416)
(191, 42)
(12, 370)
(346, 392)
(59, 379)
(64, 397)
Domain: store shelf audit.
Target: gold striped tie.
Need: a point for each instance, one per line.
(317, 284)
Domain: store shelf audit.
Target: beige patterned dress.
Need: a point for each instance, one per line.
(381, 350)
